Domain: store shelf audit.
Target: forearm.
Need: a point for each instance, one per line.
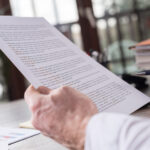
(117, 132)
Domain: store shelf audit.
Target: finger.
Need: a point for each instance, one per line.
(31, 94)
(44, 90)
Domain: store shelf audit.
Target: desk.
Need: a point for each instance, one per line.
(12, 113)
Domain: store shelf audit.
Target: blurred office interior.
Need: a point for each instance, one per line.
(108, 27)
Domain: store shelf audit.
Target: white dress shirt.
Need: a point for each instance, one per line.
(117, 132)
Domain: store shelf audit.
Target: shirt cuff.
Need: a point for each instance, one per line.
(103, 130)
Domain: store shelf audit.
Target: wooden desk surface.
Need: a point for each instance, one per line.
(13, 113)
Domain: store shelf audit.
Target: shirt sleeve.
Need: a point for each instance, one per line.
(117, 132)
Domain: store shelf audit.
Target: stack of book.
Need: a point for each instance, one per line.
(142, 54)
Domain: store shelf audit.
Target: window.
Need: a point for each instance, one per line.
(22, 8)
(55, 11)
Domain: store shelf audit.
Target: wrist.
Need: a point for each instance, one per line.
(81, 134)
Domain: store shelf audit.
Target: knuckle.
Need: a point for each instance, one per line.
(64, 88)
(52, 96)
(35, 106)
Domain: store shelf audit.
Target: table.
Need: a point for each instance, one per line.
(13, 113)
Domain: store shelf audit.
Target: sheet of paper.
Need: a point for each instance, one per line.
(14, 135)
(3, 145)
(47, 58)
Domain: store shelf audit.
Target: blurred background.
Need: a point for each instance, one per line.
(107, 27)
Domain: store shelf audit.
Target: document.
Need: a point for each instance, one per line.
(10, 136)
(47, 58)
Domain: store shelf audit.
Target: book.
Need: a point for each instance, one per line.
(144, 45)
(142, 54)
(47, 58)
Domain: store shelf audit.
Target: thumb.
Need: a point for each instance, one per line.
(31, 93)
(44, 90)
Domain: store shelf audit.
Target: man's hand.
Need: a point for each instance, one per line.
(61, 114)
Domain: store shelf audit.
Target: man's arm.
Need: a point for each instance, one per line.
(61, 114)
(64, 113)
(107, 131)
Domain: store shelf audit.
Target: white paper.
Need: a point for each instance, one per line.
(11, 136)
(3, 145)
(47, 58)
